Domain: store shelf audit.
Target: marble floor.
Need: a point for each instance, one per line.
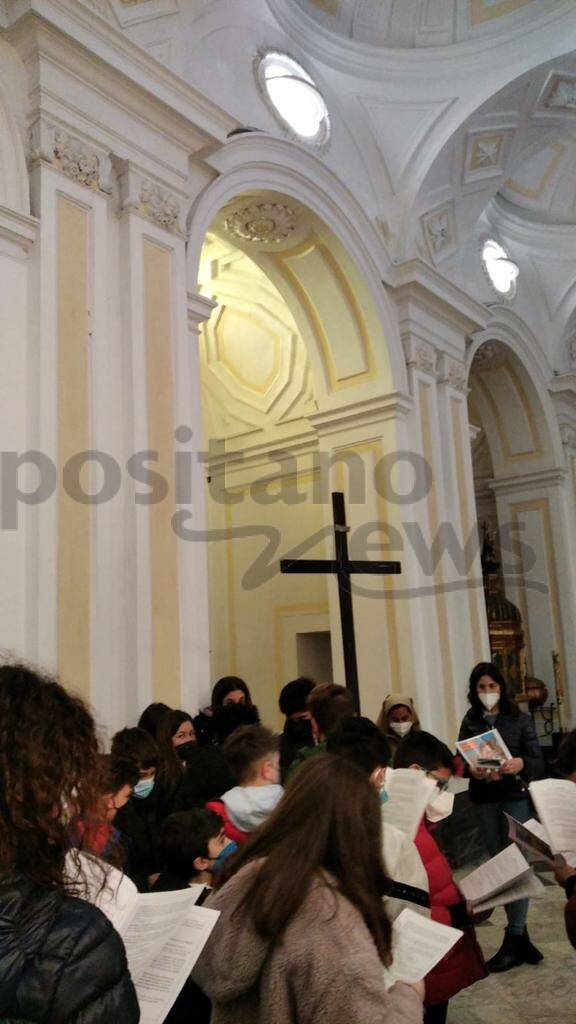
(525, 995)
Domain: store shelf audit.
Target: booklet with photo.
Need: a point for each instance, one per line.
(485, 750)
(530, 838)
(163, 932)
(408, 792)
(555, 801)
(503, 879)
(418, 944)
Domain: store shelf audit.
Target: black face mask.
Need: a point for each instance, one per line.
(185, 750)
(299, 732)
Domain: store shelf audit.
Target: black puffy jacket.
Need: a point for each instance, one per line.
(519, 735)
(61, 962)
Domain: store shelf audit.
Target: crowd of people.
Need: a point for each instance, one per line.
(287, 832)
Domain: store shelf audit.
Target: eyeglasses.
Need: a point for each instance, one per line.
(441, 784)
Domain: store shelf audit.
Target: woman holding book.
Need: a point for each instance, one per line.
(303, 935)
(499, 789)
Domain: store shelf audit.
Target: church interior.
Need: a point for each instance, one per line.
(256, 252)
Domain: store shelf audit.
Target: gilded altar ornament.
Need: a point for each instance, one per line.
(506, 636)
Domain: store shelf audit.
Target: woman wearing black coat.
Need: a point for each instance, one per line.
(495, 793)
(60, 958)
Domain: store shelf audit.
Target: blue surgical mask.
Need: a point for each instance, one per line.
(383, 796)
(143, 788)
(223, 855)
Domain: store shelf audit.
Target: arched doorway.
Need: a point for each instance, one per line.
(299, 392)
(520, 496)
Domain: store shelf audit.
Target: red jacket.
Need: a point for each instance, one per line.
(464, 964)
(230, 830)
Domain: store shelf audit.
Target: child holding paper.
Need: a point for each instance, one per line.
(303, 935)
(464, 964)
(495, 792)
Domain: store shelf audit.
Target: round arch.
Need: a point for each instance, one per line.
(256, 164)
(527, 375)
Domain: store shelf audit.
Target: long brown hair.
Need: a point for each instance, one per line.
(329, 820)
(171, 768)
(49, 772)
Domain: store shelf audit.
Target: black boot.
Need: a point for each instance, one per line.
(531, 954)
(511, 954)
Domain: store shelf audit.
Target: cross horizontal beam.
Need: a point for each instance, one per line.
(311, 565)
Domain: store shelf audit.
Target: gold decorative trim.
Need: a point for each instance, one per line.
(457, 406)
(74, 540)
(542, 505)
(280, 260)
(480, 12)
(158, 320)
(260, 389)
(434, 520)
(535, 193)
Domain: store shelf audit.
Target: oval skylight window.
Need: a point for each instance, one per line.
(294, 97)
(501, 270)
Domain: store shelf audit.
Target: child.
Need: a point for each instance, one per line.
(302, 933)
(360, 741)
(254, 761)
(96, 834)
(464, 964)
(328, 705)
(192, 847)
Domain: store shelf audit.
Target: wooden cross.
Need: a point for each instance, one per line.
(343, 568)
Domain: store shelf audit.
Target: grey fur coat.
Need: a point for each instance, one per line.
(324, 970)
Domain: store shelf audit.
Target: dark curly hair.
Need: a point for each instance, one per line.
(49, 772)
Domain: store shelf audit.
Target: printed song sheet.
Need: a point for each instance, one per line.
(418, 944)
(555, 801)
(408, 793)
(526, 836)
(503, 879)
(163, 932)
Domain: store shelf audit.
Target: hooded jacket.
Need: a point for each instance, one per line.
(394, 700)
(61, 962)
(249, 806)
(324, 970)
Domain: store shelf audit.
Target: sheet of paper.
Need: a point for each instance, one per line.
(527, 887)
(527, 838)
(555, 801)
(408, 793)
(495, 875)
(487, 745)
(155, 919)
(116, 899)
(160, 983)
(418, 944)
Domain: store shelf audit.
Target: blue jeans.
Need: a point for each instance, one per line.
(495, 833)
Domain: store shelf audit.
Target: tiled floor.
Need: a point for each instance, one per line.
(525, 995)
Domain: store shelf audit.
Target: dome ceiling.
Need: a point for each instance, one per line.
(415, 23)
(545, 185)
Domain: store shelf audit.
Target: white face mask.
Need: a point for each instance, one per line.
(440, 807)
(489, 700)
(401, 728)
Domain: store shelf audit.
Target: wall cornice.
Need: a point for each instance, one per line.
(143, 85)
(18, 229)
(416, 282)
